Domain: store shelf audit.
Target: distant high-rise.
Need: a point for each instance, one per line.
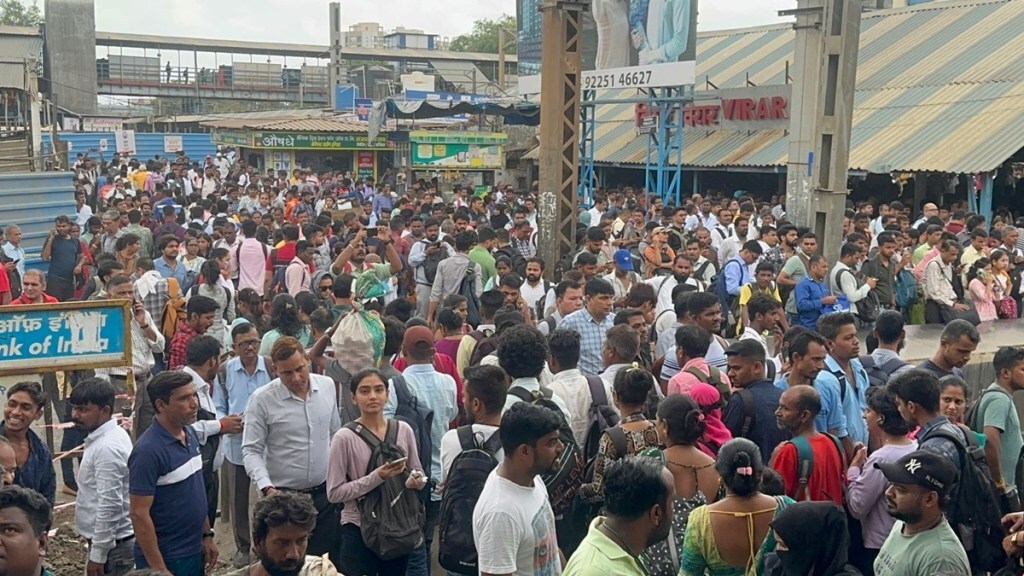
(70, 54)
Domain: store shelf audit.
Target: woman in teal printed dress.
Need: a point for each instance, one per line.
(680, 425)
(731, 536)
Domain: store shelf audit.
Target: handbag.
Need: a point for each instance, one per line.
(948, 313)
(1007, 309)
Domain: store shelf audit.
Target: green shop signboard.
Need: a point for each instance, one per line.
(232, 138)
(317, 141)
(458, 156)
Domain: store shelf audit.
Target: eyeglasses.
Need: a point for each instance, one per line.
(248, 343)
(326, 288)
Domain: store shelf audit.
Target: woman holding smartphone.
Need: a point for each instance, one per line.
(348, 481)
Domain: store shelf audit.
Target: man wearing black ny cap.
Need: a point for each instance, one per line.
(921, 543)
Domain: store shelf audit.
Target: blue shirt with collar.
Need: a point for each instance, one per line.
(809, 295)
(171, 472)
(592, 336)
(856, 401)
(736, 277)
(439, 393)
(37, 472)
(178, 273)
(230, 396)
(832, 415)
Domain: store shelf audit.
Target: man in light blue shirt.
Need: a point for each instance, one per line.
(438, 392)
(807, 353)
(240, 377)
(592, 323)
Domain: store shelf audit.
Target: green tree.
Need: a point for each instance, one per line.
(15, 13)
(484, 37)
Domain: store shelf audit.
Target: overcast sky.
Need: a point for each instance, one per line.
(305, 21)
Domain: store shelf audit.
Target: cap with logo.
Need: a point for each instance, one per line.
(921, 467)
(623, 260)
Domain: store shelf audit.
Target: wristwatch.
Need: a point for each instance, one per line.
(209, 534)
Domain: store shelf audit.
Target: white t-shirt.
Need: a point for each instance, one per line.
(514, 529)
(450, 446)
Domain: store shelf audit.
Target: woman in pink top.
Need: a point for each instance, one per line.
(984, 290)
(692, 343)
(449, 324)
(348, 480)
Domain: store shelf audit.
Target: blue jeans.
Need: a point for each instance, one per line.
(419, 559)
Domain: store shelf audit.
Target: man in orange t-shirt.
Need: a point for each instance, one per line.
(797, 409)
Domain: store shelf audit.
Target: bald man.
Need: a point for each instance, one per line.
(927, 211)
(823, 481)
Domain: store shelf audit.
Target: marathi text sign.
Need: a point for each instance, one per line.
(317, 141)
(755, 108)
(72, 335)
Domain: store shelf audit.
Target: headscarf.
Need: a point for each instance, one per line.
(817, 539)
(710, 401)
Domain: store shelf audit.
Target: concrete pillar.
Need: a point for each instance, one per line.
(827, 46)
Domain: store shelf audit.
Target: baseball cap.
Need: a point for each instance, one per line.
(623, 260)
(417, 337)
(922, 467)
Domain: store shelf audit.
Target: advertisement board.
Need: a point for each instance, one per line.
(102, 124)
(317, 141)
(53, 337)
(125, 141)
(173, 144)
(366, 164)
(458, 156)
(626, 44)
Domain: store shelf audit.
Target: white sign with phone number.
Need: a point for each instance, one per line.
(650, 76)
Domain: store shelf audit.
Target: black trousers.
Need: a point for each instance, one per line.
(358, 560)
(324, 538)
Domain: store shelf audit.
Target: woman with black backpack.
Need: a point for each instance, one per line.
(374, 469)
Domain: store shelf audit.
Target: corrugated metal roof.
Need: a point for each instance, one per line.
(12, 75)
(290, 124)
(940, 87)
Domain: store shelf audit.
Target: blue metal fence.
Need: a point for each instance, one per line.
(148, 144)
(32, 201)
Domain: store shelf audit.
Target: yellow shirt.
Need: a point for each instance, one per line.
(599, 555)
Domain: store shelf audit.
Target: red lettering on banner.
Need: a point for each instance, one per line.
(738, 110)
(780, 108)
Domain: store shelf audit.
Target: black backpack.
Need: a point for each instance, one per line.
(391, 517)
(879, 375)
(566, 478)
(973, 510)
(277, 279)
(467, 289)
(868, 306)
(564, 265)
(600, 417)
(418, 416)
(430, 264)
(462, 488)
(485, 344)
(517, 258)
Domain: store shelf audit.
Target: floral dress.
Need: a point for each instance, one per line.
(636, 442)
(662, 559)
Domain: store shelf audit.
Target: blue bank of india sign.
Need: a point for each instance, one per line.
(72, 335)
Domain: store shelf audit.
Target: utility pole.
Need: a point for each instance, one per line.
(821, 117)
(559, 127)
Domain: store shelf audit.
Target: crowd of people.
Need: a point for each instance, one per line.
(405, 382)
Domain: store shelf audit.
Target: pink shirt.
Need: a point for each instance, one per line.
(682, 382)
(252, 264)
(349, 457)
